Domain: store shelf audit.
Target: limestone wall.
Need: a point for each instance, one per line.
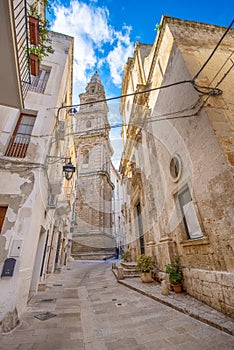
(181, 122)
(213, 287)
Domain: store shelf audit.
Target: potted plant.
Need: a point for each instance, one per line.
(33, 30)
(126, 256)
(34, 63)
(175, 274)
(145, 265)
(40, 46)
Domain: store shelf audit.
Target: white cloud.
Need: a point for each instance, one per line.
(119, 55)
(89, 25)
(97, 45)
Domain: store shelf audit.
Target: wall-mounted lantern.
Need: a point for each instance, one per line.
(69, 169)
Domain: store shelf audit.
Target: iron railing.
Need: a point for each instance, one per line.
(38, 83)
(18, 146)
(22, 42)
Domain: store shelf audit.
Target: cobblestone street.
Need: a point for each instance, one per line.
(86, 308)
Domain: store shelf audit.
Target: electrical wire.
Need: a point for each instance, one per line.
(166, 116)
(225, 74)
(130, 94)
(191, 81)
(212, 53)
(229, 57)
(221, 80)
(207, 90)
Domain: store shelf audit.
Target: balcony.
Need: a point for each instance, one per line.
(14, 65)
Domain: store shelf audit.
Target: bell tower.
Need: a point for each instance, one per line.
(92, 237)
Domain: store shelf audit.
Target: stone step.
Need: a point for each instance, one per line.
(93, 256)
(128, 265)
(130, 273)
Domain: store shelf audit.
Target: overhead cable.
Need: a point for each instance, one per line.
(212, 53)
(228, 58)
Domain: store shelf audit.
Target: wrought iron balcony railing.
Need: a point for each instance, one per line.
(18, 146)
(22, 42)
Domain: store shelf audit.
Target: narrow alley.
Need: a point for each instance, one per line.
(84, 307)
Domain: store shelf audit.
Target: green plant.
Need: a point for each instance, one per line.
(174, 271)
(126, 256)
(157, 27)
(44, 47)
(145, 263)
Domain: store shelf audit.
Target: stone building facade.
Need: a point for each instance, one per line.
(93, 236)
(35, 198)
(117, 206)
(177, 163)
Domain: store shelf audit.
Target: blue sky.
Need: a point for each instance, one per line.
(105, 33)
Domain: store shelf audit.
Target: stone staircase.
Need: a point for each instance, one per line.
(129, 269)
(82, 252)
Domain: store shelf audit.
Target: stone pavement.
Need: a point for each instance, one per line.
(91, 311)
(182, 302)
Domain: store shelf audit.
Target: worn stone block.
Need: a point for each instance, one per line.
(210, 276)
(217, 292)
(207, 289)
(120, 273)
(228, 294)
(10, 321)
(225, 279)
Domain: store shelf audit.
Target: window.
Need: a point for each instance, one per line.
(190, 219)
(88, 124)
(175, 168)
(3, 210)
(86, 158)
(39, 82)
(21, 137)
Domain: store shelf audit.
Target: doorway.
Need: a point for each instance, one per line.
(140, 228)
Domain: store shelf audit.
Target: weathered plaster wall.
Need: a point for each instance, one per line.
(24, 183)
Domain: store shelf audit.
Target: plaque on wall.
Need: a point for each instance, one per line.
(8, 267)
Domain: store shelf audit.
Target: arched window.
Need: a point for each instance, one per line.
(88, 124)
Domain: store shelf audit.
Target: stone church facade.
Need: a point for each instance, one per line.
(93, 235)
(177, 163)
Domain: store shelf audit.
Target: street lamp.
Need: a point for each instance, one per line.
(72, 111)
(68, 170)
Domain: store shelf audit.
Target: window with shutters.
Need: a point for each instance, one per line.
(20, 139)
(191, 223)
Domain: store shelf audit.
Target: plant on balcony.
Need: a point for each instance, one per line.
(33, 30)
(41, 47)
